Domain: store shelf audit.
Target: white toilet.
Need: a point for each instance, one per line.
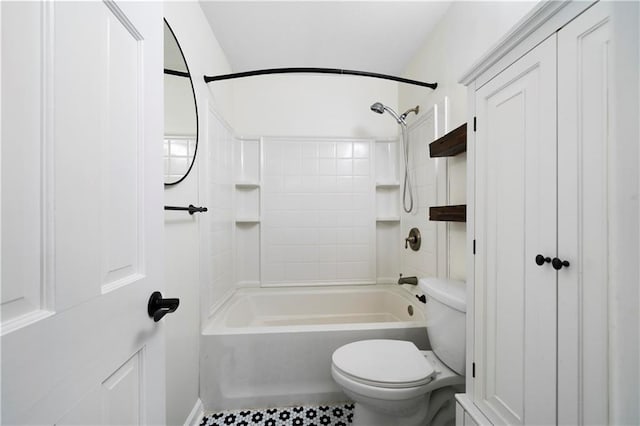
(392, 382)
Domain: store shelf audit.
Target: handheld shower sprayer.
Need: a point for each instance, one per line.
(380, 109)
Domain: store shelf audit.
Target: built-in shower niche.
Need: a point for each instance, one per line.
(387, 211)
(247, 212)
(247, 203)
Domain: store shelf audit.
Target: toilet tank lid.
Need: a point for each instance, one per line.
(450, 292)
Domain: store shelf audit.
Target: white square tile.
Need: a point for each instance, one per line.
(344, 167)
(309, 183)
(178, 166)
(327, 271)
(178, 147)
(326, 183)
(327, 166)
(362, 184)
(361, 150)
(327, 149)
(293, 183)
(361, 235)
(310, 150)
(344, 150)
(328, 237)
(344, 183)
(309, 166)
(361, 167)
(273, 183)
(327, 254)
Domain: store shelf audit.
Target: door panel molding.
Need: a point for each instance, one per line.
(28, 299)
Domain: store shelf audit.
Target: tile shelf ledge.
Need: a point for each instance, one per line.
(388, 219)
(248, 220)
(247, 185)
(387, 185)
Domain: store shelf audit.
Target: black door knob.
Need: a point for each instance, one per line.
(159, 307)
(558, 264)
(540, 260)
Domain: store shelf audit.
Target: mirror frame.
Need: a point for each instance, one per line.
(195, 104)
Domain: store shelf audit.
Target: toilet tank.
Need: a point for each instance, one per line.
(445, 313)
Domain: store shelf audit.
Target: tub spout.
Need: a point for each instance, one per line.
(408, 280)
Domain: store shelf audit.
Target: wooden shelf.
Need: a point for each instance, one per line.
(449, 213)
(453, 143)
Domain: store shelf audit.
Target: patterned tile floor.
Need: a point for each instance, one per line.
(340, 414)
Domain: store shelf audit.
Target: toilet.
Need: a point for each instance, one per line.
(392, 382)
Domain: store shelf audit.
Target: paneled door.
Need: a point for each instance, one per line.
(515, 220)
(81, 123)
(597, 226)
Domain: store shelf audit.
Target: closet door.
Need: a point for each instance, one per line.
(515, 220)
(597, 163)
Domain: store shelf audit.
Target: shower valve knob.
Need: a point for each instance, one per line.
(413, 240)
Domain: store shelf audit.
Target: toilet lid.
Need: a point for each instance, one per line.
(384, 363)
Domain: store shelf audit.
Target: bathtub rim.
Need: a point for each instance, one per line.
(211, 328)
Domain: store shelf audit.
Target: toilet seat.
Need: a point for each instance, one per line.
(391, 364)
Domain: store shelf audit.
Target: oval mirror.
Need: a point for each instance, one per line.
(180, 112)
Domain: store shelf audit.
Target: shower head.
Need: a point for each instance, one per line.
(380, 109)
(377, 107)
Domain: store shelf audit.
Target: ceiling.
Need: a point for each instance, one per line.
(374, 36)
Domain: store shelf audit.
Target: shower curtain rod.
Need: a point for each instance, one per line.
(209, 79)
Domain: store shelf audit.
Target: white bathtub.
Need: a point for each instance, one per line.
(272, 346)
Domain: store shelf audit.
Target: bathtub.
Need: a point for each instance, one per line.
(272, 346)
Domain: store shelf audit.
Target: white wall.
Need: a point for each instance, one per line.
(313, 105)
(203, 56)
(467, 31)
(423, 174)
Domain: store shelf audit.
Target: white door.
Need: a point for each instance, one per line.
(515, 220)
(597, 183)
(81, 212)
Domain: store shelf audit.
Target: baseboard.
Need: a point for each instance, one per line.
(196, 415)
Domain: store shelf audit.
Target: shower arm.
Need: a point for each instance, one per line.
(208, 79)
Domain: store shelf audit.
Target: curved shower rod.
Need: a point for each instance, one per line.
(208, 79)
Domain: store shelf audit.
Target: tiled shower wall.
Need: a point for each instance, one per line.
(315, 211)
(318, 211)
(304, 211)
(217, 225)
